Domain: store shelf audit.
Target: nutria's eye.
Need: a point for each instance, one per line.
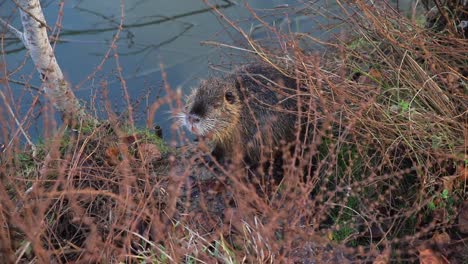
(230, 97)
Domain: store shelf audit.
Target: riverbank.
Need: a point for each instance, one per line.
(380, 177)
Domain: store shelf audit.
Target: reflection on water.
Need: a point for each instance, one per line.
(153, 33)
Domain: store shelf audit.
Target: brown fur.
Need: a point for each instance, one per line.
(247, 112)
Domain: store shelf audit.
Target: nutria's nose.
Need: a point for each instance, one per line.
(193, 118)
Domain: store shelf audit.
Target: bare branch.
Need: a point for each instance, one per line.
(13, 30)
(18, 123)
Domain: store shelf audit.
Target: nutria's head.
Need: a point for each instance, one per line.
(212, 109)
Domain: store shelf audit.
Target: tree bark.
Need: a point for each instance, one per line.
(36, 40)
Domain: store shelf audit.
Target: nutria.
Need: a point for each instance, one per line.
(249, 112)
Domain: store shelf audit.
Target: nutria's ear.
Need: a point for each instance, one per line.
(229, 96)
(238, 86)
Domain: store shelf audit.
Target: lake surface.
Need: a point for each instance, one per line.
(155, 32)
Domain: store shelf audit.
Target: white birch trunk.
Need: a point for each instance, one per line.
(36, 40)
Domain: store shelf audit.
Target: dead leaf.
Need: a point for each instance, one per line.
(383, 258)
(441, 239)
(448, 182)
(150, 152)
(451, 79)
(439, 214)
(371, 77)
(429, 256)
(463, 218)
(112, 155)
(463, 173)
(130, 139)
(376, 74)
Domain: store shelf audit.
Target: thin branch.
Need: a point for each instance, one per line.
(27, 85)
(158, 21)
(13, 30)
(219, 44)
(20, 126)
(26, 9)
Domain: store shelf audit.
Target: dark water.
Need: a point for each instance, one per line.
(155, 32)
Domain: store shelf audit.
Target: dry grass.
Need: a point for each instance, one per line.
(377, 171)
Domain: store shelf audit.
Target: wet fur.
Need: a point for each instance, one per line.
(258, 115)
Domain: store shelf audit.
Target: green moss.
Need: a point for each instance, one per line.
(148, 136)
(87, 128)
(360, 43)
(445, 200)
(420, 21)
(343, 233)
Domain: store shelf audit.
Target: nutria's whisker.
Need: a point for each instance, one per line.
(180, 115)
